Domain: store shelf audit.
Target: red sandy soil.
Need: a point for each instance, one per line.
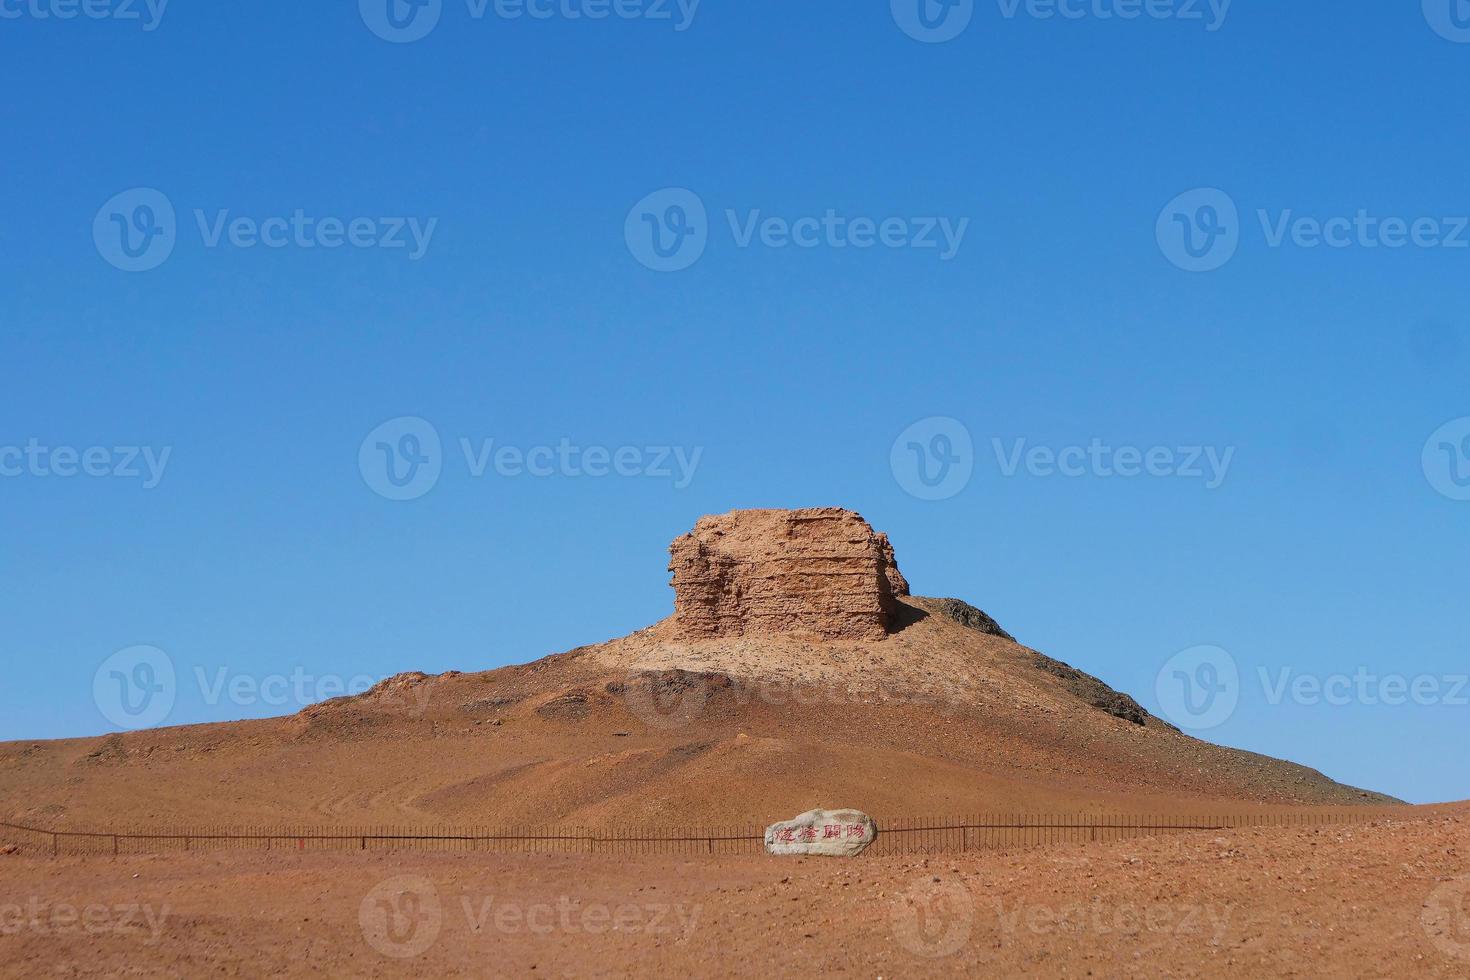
(939, 718)
(1389, 898)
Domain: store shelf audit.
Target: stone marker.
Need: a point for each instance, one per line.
(827, 833)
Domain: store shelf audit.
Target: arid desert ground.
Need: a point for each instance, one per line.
(797, 672)
(1385, 899)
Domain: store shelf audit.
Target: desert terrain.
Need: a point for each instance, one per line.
(797, 671)
(1383, 899)
(742, 705)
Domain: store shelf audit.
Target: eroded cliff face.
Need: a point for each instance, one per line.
(820, 572)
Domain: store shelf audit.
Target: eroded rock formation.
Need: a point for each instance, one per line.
(821, 572)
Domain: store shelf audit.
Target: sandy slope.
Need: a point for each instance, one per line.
(938, 718)
(1388, 899)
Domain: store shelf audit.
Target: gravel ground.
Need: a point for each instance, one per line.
(1385, 899)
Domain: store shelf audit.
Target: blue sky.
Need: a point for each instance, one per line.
(530, 153)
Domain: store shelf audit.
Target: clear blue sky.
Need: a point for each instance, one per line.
(531, 317)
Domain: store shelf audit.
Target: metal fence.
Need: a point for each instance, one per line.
(980, 832)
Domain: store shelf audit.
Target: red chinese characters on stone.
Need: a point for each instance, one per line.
(829, 833)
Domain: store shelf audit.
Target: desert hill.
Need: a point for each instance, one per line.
(796, 671)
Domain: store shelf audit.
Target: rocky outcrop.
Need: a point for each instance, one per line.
(1083, 685)
(820, 572)
(970, 617)
(1092, 690)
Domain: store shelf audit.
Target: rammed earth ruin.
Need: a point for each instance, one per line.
(820, 572)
